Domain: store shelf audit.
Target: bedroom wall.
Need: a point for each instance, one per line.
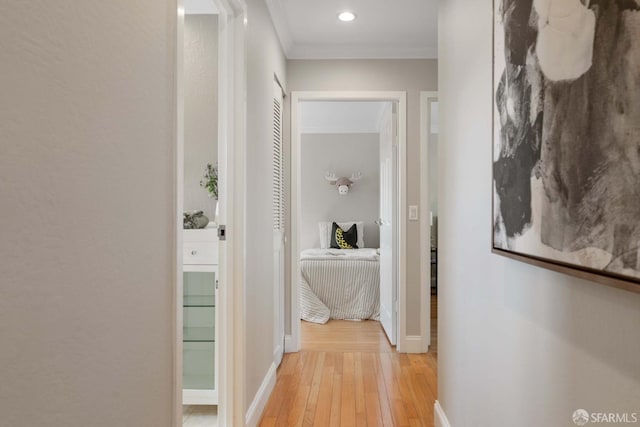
(200, 108)
(410, 75)
(345, 154)
(87, 213)
(264, 60)
(518, 344)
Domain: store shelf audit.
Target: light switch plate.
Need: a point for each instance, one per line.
(413, 213)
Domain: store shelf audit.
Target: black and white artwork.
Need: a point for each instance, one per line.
(566, 154)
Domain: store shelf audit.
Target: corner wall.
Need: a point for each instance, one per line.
(518, 344)
(87, 213)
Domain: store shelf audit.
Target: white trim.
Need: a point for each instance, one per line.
(231, 128)
(277, 354)
(178, 191)
(294, 197)
(425, 227)
(199, 397)
(439, 417)
(262, 397)
(347, 51)
(401, 99)
(233, 396)
(413, 344)
(288, 344)
(401, 242)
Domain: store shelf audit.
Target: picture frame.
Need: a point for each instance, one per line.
(566, 137)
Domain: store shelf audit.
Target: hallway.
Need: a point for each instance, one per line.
(347, 374)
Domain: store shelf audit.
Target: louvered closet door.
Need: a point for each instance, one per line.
(278, 222)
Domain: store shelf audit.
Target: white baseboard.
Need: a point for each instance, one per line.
(289, 344)
(414, 344)
(278, 355)
(254, 412)
(440, 417)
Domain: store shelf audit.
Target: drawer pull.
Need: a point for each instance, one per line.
(194, 252)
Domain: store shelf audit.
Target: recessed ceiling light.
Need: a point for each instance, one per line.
(346, 16)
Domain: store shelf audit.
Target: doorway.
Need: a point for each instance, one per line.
(335, 181)
(208, 357)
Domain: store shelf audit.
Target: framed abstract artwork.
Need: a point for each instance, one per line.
(566, 136)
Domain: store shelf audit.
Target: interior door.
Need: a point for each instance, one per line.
(388, 298)
(278, 223)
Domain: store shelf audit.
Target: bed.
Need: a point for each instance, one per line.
(339, 284)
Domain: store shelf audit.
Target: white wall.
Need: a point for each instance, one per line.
(518, 345)
(264, 59)
(412, 76)
(200, 108)
(87, 213)
(344, 154)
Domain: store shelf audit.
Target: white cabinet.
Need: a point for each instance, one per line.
(200, 353)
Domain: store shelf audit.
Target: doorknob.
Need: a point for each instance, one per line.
(379, 222)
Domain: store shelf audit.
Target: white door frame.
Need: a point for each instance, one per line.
(425, 226)
(232, 147)
(392, 96)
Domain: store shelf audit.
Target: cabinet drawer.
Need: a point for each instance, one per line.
(200, 253)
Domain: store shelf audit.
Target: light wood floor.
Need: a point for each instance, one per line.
(347, 374)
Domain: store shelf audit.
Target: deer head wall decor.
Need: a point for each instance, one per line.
(343, 183)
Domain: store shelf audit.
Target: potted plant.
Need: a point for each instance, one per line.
(210, 183)
(210, 180)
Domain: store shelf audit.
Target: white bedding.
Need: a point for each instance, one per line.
(339, 284)
(366, 254)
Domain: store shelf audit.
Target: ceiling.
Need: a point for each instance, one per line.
(340, 116)
(309, 29)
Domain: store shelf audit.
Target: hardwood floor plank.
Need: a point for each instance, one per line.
(305, 364)
(423, 366)
(323, 409)
(347, 375)
(395, 392)
(268, 422)
(312, 400)
(372, 403)
(336, 392)
(361, 411)
(348, 401)
(383, 396)
(400, 363)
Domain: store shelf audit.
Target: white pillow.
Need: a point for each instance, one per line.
(325, 232)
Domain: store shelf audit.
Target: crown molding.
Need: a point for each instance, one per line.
(279, 20)
(294, 50)
(355, 51)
